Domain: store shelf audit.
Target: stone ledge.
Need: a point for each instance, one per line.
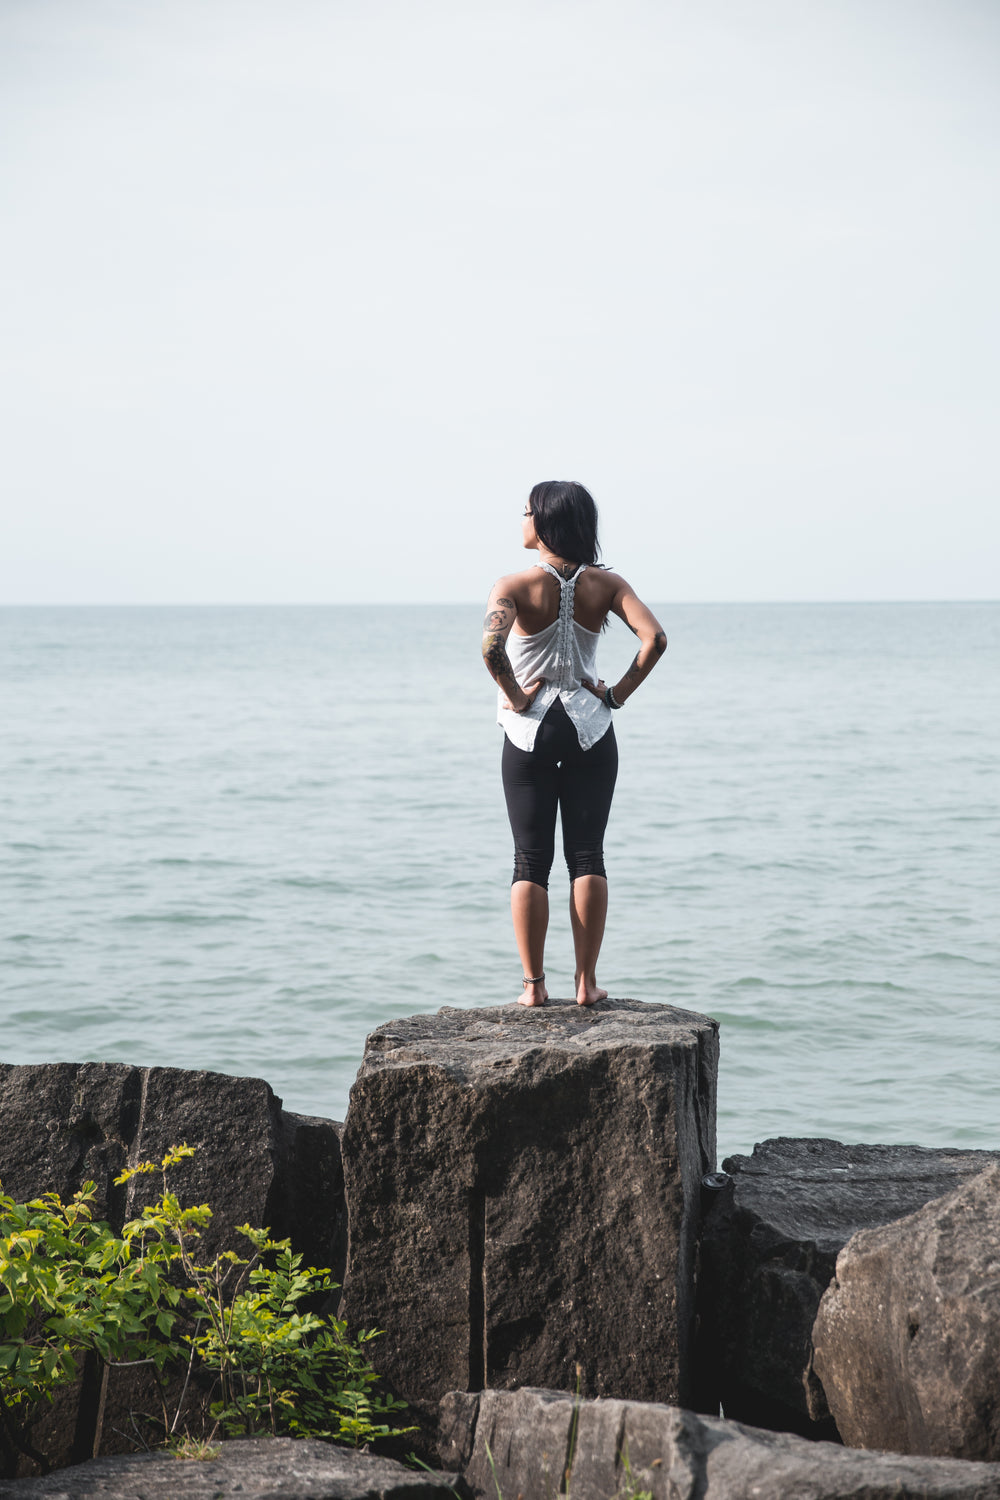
(674, 1454)
(262, 1468)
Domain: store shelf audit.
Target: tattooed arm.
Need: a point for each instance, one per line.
(501, 612)
(653, 642)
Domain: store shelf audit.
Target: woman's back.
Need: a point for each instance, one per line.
(536, 596)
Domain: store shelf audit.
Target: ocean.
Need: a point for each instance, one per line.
(240, 838)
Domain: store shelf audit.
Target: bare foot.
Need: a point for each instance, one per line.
(534, 993)
(587, 992)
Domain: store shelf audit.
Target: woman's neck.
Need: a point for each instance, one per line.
(562, 567)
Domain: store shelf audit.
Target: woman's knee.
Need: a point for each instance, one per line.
(585, 862)
(534, 865)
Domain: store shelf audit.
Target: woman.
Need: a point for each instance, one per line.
(540, 646)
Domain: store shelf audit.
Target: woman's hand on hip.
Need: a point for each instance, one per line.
(528, 697)
(598, 688)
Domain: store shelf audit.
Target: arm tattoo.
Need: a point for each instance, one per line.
(497, 617)
(497, 660)
(633, 674)
(660, 642)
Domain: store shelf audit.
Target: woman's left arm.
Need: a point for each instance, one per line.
(501, 612)
(627, 605)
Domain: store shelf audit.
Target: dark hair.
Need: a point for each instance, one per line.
(565, 519)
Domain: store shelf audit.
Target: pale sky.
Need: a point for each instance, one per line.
(300, 297)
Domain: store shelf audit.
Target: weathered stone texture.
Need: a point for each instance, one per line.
(68, 1123)
(769, 1248)
(523, 1190)
(266, 1468)
(533, 1436)
(65, 1124)
(907, 1338)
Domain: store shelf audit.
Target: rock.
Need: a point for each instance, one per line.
(533, 1435)
(908, 1336)
(523, 1190)
(269, 1468)
(768, 1251)
(67, 1123)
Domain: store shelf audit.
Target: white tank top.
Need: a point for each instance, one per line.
(563, 654)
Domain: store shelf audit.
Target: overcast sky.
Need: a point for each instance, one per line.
(300, 297)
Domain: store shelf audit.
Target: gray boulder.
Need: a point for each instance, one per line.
(523, 1188)
(770, 1241)
(267, 1468)
(525, 1442)
(907, 1338)
(68, 1123)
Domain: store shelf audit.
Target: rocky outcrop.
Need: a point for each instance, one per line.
(524, 1442)
(293, 1469)
(907, 1340)
(68, 1123)
(523, 1190)
(770, 1242)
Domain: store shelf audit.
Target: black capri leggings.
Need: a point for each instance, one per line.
(557, 773)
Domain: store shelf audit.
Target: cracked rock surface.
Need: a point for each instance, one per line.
(614, 1447)
(524, 1189)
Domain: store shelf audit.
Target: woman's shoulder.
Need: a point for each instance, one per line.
(608, 585)
(516, 583)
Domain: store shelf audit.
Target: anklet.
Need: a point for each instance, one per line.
(526, 981)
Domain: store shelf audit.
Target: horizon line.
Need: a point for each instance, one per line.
(426, 603)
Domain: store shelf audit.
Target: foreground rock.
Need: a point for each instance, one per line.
(524, 1190)
(769, 1249)
(68, 1123)
(613, 1447)
(908, 1336)
(264, 1467)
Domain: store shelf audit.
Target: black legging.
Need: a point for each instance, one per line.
(557, 773)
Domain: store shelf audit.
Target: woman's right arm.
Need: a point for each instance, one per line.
(501, 612)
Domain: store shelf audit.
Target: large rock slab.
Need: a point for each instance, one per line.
(67, 1123)
(907, 1340)
(524, 1196)
(525, 1442)
(770, 1243)
(268, 1468)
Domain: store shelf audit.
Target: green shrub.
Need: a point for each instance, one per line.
(69, 1286)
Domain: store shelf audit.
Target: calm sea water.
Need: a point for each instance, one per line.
(241, 838)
